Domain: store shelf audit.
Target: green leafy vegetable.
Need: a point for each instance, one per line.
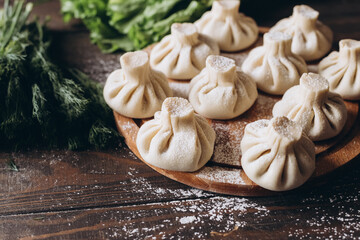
(42, 104)
(12, 166)
(131, 24)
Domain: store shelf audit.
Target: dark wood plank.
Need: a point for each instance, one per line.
(58, 180)
(330, 212)
(103, 189)
(74, 49)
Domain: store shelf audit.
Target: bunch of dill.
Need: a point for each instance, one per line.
(43, 105)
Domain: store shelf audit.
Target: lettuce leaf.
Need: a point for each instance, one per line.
(131, 24)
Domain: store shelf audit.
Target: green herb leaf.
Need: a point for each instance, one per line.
(42, 104)
(12, 166)
(131, 24)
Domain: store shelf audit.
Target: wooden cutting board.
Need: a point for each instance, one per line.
(223, 173)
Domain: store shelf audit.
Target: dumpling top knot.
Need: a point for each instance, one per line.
(225, 8)
(286, 128)
(185, 33)
(177, 107)
(316, 86)
(233, 31)
(306, 14)
(350, 43)
(278, 43)
(135, 65)
(221, 69)
(134, 60)
(220, 63)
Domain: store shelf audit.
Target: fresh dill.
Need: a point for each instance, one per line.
(42, 104)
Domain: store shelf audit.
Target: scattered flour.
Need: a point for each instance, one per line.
(221, 174)
(187, 220)
(227, 143)
(224, 214)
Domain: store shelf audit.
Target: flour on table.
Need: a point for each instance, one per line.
(221, 174)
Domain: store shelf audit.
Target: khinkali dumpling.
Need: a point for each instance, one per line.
(311, 38)
(233, 31)
(136, 90)
(322, 114)
(342, 69)
(273, 66)
(177, 138)
(221, 90)
(182, 54)
(277, 154)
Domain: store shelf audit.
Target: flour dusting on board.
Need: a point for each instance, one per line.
(225, 214)
(227, 144)
(149, 189)
(221, 174)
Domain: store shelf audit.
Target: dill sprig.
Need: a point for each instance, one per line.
(12, 165)
(43, 104)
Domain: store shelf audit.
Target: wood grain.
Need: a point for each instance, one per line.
(326, 212)
(226, 160)
(67, 195)
(57, 180)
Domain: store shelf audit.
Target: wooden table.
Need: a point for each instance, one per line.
(113, 195)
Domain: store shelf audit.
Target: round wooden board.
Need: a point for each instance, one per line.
(223, 173)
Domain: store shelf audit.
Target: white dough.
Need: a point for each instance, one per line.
(136, 90)
(311, 38)
(322, 114)
(277, 154)
(273, 66)
(182, 54)
(233, 31)
(221, 90)
(177, 138)
(342, 69)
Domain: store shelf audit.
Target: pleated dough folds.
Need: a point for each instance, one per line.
(277, 154)
(342, 69)
(136, 90)
(182, 54)
(322, 114)
(221, 90)
(177, 138)
(273, 66)
(233, 31)
(311, 38)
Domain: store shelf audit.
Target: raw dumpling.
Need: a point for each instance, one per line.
(221, 90)
(342, 69)
(322, 114)
(136, 90)
(177, 138)
(311, 38)
(277, 154)
(233, 31)
(182, 54)
(273, 66)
